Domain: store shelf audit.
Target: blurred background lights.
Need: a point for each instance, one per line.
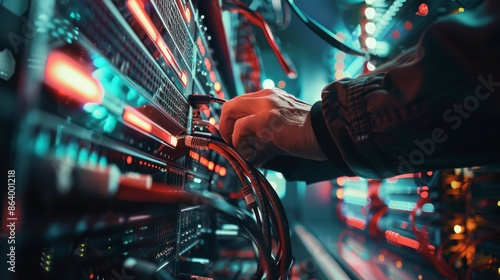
(268, 83)
(370, 13)
(371, 42)
(370, 28)
(370, 66)
(457, 229)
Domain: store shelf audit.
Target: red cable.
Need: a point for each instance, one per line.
(258, 20)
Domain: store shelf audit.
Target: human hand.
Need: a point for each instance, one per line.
(267, 123)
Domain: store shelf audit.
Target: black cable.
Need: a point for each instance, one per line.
(217, 100)
(269, 200)
(325, 33)
(248, 197)
(282, 226)
(277, 206)
(203, 99)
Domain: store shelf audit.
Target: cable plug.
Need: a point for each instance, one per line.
(195, 142)
(196, 100)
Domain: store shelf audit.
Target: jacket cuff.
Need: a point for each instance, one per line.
(325, 140)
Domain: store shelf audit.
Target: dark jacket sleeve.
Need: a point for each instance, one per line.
(437, 106)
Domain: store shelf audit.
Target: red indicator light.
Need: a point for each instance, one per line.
(223, 171)
(187, 13)
(72, 80)
(408, 25)
(396, 34)
(341, 181)
(136, 119)
(213, 78)
(129, 159)
(208, 65)
(200, 46)
(423, 10)
(217, 86)
(340, 193)
(211, 165)
(356, 223)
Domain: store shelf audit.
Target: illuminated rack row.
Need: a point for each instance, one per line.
(101, 23)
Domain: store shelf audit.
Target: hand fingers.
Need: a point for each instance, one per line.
(252, 134)
(238, 108)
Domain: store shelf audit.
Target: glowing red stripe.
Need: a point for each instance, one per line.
(184, 78)
(138, 120)
(187, 13)
(207, 63)
(71, 79)
(137, 8)
(131, 116)
(355, 222)
(139, 12)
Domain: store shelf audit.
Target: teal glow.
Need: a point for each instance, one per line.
(42, 144)
(277, 182)
(100, 62)
(110, 124)
(83, 157)
(103, 75)
(90, 107)
(72, 151)
(132, 94)
(141, 101)
(100, 113)
(93, 158)
(429, 208)
(103, 162)
(60, 151)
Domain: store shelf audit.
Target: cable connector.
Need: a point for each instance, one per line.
(196, 100)
(249, 197)
(196, 142)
